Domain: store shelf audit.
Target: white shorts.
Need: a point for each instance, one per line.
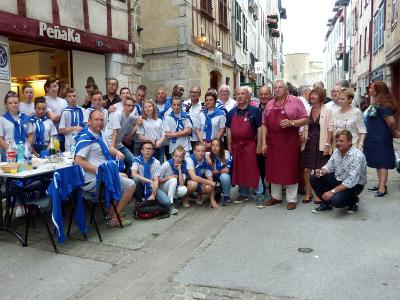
(126, 184)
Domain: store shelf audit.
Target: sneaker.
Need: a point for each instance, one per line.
(352, 209)
(114, 223)
(260, 201)
(241, 199)
(322, 208)
(185, 203)
(19, 211)
(199, 200)
(173, 211)
(226, 201)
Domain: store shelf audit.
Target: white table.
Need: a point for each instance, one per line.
(42, 169)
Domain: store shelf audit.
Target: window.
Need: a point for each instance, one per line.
(361, 8)
(395, 12)
(360, 47)
(244, 33)
(206, 6)
(223, 12)
(238, 22)
(381, 32)
(365, 40)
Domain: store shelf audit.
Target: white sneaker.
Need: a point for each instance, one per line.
(19, 211)
(173, 211)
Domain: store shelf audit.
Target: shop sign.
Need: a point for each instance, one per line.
(258, 67)
(4, 63)
(57, 33)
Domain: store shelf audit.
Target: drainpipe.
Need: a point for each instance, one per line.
(371, 32)
(344, 40)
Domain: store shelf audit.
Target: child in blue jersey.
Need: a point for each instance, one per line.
(72, 118)
(200, 176)
(221, 162)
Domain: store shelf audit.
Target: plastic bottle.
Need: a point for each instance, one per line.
(52, 151)
(11, 153)
(28, 157)
(72, 146)
(20, 157)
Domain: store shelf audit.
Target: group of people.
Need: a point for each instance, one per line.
(181, 149)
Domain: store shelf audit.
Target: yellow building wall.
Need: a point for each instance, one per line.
(155, 15)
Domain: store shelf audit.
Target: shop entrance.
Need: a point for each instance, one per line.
(33, 64)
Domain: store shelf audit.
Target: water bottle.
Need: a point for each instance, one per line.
(28, 157)
(20, 157)
(72, 146)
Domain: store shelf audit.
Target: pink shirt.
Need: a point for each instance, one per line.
(293, 107)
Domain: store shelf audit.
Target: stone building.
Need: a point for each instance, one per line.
(301, 70)
(70, 40)
(186, 42)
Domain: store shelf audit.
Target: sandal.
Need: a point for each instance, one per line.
(115, 223)
(317, 201)
(308, 200)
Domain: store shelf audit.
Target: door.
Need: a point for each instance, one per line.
(85, 64)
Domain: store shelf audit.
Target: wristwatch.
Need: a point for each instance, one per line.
(327, 144)
(333, 191)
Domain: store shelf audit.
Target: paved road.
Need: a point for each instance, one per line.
(237, 252)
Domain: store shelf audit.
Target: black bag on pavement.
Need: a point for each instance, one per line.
(149, 209)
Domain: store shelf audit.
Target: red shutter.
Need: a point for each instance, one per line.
(206, 6)
(223, 12)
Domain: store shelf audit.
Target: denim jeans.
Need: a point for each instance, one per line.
(245, 191)
(128, 155)
(161, 197)
(339, 199)
(225, 180)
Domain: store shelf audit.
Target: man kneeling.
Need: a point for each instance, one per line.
(342, 179)
(91, 152)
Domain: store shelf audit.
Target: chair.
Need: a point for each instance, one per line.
(99, 198)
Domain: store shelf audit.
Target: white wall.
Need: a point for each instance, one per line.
(9, 6)
(40, 10)
(71, 13)
(4, 86)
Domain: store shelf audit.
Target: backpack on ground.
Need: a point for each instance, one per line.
(150, 209)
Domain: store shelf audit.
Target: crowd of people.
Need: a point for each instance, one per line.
(285, 141)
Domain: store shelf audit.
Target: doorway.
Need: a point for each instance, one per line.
(215, 79)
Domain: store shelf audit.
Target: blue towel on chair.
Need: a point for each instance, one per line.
(65, 181)
(110, 177)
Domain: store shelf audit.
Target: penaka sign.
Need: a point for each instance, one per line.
(57, 33)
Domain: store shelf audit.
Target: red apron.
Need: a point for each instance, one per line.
(283, 152)
(244, 153)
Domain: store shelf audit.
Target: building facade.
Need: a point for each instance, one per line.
(370, 46)
(65, 39)
(188, 43)
(301, 70)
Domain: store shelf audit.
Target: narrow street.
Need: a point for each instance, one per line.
(235, 252)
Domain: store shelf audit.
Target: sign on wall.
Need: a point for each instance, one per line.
(258, 67)
(4, 63)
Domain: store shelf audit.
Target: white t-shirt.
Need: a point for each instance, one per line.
(217, 122)
(49, 131)
(93, 155)
(166, 170)
(194, 113)
(229, 104)
(56, 105)
(154, 169)
(7, 128)
(123, 123)
(27, 108)
(170, 125)
(152, 129)
(190, 166)
(90, 109)
(65, 122)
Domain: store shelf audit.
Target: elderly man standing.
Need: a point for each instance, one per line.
(193, 107)
(243, 125)
(282, 118)
(225, 99)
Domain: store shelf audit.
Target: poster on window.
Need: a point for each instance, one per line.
(4, 63)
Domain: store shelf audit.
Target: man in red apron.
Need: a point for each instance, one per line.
(282, 118)
(243, 125)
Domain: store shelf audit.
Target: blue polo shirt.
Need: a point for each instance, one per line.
(253, 114)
